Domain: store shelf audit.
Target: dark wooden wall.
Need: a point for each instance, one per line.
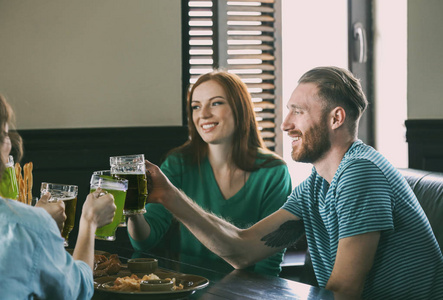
(425, 144)
(70, 156)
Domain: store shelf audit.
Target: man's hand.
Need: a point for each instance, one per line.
(99, 208)
(159, 186)
(55, 209)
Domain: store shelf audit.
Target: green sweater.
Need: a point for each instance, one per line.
(265, 191)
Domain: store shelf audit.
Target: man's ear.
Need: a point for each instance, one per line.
(338, 117)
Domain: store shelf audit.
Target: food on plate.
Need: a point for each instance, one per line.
(132, 283)
(104, 266)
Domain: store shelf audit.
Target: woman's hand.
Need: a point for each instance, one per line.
(98, 211)
(55, 209)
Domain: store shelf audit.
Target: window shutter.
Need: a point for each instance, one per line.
(240, 37)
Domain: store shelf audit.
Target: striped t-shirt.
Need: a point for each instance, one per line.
(368, 194)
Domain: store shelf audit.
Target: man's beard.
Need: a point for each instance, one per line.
(315, 143)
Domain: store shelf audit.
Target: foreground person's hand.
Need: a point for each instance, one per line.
(55, 209)
(99, 208)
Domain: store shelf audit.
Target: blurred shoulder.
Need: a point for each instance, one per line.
(34, 218)
(269, 159)
(175, 159)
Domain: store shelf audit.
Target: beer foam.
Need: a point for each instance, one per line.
(114, 187)
(66, 198)
(138, 172)
(61, 197)
(109, 185)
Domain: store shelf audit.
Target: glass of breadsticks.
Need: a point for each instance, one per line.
(24, 182)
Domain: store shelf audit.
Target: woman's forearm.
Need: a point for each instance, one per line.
(97, 211)
(138, 228)
(84, 248)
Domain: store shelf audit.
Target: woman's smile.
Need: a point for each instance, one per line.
(208, 127)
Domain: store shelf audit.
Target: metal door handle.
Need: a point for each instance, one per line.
(360, 34)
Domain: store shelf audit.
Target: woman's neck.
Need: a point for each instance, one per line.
(229, 177)
(220, 156)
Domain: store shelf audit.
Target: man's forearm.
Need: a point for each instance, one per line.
(239, 247)
(218, 235)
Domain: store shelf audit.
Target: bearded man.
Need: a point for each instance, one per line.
(362, 221)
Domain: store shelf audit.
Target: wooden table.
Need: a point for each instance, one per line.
(237, 284)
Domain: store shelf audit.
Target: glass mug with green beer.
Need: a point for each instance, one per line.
(132, 168)
(117, 187)
(68, 194)
(8, 184)
(108, 173)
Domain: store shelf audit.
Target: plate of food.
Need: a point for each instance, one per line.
(105, 263)
(168, 285)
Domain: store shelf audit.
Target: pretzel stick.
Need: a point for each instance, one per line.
(20, 184)
(22, 190)
(25, 179)
(24, 184)
(30, 182)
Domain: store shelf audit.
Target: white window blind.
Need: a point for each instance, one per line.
(240, 37)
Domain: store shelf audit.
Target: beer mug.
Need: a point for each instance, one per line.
(68, 194)
(132, 168)
(8, 184)
(108, 173)
(117, 187)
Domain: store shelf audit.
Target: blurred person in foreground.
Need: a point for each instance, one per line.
(367, 233)
(33, 261)
(12, 144)
(224, 167)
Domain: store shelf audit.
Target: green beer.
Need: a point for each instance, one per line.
(107, 232)
(8, 184)
(117, 187)
(132, 168)
(137, 192)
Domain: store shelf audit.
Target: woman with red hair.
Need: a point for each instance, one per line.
(224, 167)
